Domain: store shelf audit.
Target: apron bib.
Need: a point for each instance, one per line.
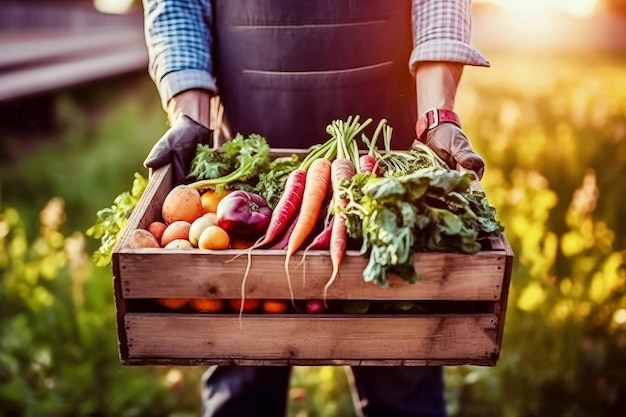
(287, 68)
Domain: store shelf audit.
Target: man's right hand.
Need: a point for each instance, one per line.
(451, 145)
(178, 146)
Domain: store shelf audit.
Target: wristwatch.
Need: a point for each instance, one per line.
(433, 118)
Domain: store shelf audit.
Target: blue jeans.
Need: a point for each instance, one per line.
(230, 391)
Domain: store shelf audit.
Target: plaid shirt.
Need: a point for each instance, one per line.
(178, 36)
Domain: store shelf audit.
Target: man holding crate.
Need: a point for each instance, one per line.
(284, 69)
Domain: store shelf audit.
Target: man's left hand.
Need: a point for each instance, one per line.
(178, 146)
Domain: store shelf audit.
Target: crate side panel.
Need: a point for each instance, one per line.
(148, 207)
(196, 273)
(436, 337)
(147, 210)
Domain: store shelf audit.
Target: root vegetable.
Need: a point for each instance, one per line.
(214, 237)
(179, 244)
(197, 227)
(157, 228)
(182, 203)
(176, 230)
(140, 238)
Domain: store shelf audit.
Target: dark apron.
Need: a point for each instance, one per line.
(287, 68)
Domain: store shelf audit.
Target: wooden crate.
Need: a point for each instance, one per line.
(469, 293)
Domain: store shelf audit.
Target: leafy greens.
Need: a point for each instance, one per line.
(431, 209)
(110, 221)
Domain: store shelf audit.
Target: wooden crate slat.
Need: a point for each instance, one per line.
(198, 273)
(436, 337)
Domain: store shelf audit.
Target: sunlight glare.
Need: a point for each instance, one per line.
(113, 6)
(577, 8)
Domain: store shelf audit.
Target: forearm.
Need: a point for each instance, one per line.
(436, 84)
(441, 35)
(178, 38)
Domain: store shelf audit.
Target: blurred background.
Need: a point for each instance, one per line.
(78, 114)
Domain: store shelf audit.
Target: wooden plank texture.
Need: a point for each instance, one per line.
(154, 273)
(325, 339)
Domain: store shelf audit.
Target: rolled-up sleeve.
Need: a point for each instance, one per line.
(179, 40)
(441, 32)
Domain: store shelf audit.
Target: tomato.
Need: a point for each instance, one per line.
(248, 306)
(275, 306)
(173, 303)
(207, 305)
(210, 200)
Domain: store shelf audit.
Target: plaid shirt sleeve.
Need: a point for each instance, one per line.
(178, 37)
(441, 32)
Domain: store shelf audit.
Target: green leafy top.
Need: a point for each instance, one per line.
(431, 209)
(236, 161)
(111, 221)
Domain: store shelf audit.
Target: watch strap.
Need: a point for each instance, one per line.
(433, 118)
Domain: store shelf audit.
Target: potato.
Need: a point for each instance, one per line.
(182, 203)
(179, 244)
(157, 228)
(176, 230)
(141, 238)
(214, 237)
(197, 227)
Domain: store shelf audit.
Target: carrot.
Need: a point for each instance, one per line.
(318, 181)
(283, 239)
(287, 207)
(342, 169)
(321, 241)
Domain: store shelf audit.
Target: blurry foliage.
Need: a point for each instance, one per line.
(554, 137)
(553, 133)
(103, 136)
(320, 392)
(58, 353)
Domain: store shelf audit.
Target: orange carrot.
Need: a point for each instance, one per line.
(341, 169)
(287, 207)
(317, 183)
(319, 242)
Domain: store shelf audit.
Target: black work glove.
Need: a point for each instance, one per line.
(178, 146)
(450, 143)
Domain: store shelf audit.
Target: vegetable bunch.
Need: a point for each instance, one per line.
(431, 209)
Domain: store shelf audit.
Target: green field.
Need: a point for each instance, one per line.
(553, 134)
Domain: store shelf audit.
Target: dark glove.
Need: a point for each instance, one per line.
(450, 143)
(178, 146)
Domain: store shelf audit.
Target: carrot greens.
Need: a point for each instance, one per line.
(431, 209)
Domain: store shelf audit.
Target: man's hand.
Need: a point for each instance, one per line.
(178, 146)
(195, 103)
(450, 143)
(436, 84)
